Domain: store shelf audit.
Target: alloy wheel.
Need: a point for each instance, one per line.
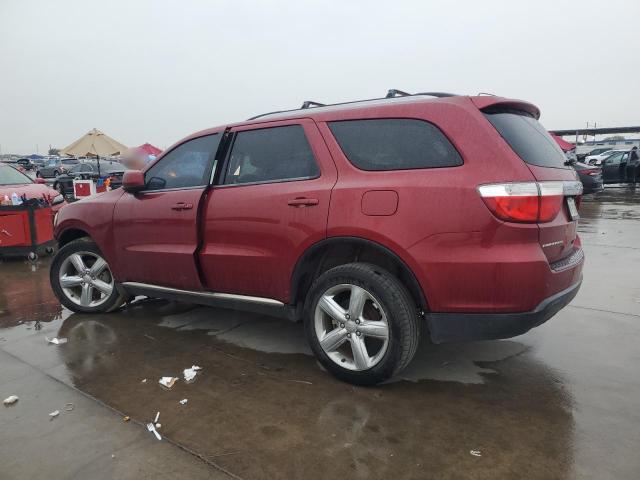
(351, 327)
(85, 279)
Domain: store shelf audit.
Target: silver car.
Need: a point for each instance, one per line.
(51, 169)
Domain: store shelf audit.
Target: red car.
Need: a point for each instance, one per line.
(14, 181)
(375, 222)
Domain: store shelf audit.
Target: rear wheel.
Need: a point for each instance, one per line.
(38, 174)
(82, 280)
(56, 173)
(361, 323)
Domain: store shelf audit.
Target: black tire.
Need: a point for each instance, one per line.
(394, 299)
(55, 173)
(59, 187)
(38, 174)
(111, 303)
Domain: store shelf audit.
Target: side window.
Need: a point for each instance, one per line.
(271, 155)
(188, 165)
(394, 144)
(614, 159)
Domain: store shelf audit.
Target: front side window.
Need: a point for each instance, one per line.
(394, 144)
(614, 159)
(271, 155)
(188, 165)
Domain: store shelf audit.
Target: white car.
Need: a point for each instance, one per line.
(597, 159)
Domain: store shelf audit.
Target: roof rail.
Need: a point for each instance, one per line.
(437, 94)
(309, 103)
(392, 93)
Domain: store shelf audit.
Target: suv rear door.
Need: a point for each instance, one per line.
(156, 230)
(532, 143)
(269, 204)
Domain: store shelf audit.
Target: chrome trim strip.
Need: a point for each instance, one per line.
(213, 295)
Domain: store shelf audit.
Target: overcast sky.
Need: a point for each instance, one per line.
(158, 70)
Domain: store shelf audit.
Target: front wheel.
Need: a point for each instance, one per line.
(361, 323)
(82, 280)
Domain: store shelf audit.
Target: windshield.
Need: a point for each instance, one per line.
(527, 137)
(52, 163)
(11, 176)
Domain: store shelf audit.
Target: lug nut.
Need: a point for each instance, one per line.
(357, 322)
(348, 335)
(342, 325)
(358, 333)
(347, 316)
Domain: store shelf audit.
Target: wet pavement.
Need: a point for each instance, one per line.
(562, 401)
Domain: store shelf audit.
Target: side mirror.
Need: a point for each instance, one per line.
(133, 181)
(40, 181)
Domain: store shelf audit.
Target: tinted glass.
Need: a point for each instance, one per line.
(613, 159)
(394, 144)
(188, 165)
(10, 176)
(528, 138)
(271, 155)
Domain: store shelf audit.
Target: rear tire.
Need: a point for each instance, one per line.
(82, 280)
(361, 323)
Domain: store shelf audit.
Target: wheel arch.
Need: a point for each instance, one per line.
(331, 252)
(70, 234)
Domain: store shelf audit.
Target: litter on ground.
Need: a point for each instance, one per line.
(190, 373)
(69, 407)
(183, 401)
(54, 414)
(475, 453)
(126, 419)
(144, 380)
(167, 382)
(10, 400)
(55, 340)
(151, 427)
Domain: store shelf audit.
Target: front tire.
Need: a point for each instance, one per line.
(82, 280)
(361, 323)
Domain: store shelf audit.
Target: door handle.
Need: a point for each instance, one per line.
(303, 202)
(182, 206)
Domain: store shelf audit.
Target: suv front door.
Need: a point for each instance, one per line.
(156, 230)
(270, 203)
(612, 167)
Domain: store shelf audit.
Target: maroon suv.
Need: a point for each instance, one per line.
(374, 222)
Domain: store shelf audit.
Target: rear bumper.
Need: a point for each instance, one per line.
(460, 327)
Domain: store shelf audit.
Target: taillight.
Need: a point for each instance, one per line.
(526, 202)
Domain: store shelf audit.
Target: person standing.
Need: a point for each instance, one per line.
(633, 165)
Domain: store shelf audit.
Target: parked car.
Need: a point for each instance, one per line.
(14, 181)
(373, 222)
(598, 158)
(615, 168)
(51, 169)
(26, 163)
(590, 176)
(89, 170)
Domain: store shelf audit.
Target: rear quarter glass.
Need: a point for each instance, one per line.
(527, 138)
(384, 144)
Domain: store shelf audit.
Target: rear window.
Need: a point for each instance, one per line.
(394, 144)
(528, 138)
